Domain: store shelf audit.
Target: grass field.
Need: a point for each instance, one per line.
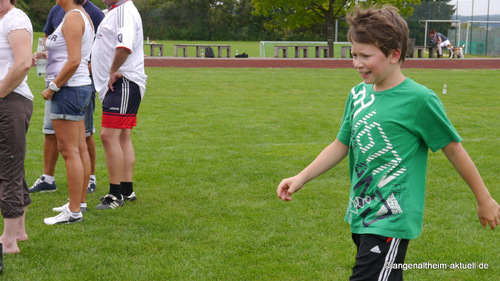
(212, 145)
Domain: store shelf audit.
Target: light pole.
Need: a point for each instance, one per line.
(472, 19)
(487, 29)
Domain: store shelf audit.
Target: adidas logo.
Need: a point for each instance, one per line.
(114, 205)
(375, 250)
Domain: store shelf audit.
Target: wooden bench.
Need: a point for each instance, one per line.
(283, 49)
(420, 51)
(321, 49)
(343, 52)
(304, 49)
(199, 47)
(153, 46)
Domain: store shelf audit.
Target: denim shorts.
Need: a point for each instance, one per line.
(70, 103)
(48, 129)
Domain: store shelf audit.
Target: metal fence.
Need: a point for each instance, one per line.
(480, 26)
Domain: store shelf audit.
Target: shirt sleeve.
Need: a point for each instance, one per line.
(433, 125)
(18, 21)
(344, 134)
(97, 19)
(126, 30)
(49, 28)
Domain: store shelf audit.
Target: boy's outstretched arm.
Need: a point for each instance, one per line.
(488, 209)
(327, 159)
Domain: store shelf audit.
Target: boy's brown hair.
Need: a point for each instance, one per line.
(382, 27)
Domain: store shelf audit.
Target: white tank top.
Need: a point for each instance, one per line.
(58, 54)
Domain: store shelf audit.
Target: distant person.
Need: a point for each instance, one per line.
(390, 122)
(16, 107)
(439, 40)
(69, 91)
(118, 73)
(46, 183)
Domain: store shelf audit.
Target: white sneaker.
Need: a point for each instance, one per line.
(83, 208)
(63, 217)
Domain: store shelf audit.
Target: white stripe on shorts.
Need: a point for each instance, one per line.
(389, 260)
(125, 96)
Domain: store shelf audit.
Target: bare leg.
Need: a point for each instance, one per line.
(128, 155)
(73, 148)
(86, 161)
(50, 154)
(21, 228)
(91, 148)
(9, 236)
(114, 154)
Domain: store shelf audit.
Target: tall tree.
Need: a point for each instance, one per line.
(37, 11)
(199, 19)
(21, 4)
(294, 14)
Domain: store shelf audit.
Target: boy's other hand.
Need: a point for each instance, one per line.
(287, 187)
(489, 213)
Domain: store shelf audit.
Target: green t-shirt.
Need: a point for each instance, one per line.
(389, 134)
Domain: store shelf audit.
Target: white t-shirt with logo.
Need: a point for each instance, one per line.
(120, 28)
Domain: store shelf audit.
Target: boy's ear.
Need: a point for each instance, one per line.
(394, 55)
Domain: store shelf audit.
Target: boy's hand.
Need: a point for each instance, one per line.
(489, 213)
(289, 186)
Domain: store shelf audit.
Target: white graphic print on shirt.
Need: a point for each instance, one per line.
(369, 139)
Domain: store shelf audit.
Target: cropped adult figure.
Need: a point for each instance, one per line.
(16, 107)
(46, 183)
(118, 73)
(439, 40)
(69, 90)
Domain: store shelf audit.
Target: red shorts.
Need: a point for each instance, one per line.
(119, 107)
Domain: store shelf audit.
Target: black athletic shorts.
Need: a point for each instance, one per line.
(376, 257)
(120, 107)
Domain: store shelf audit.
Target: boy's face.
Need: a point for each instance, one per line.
(373, 66)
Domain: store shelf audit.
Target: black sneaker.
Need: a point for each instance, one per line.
(41, 186)
(109, 202)
(130, 198)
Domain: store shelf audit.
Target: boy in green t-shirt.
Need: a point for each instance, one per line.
(389, 124)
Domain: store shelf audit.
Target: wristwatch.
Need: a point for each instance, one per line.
(53, 87)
